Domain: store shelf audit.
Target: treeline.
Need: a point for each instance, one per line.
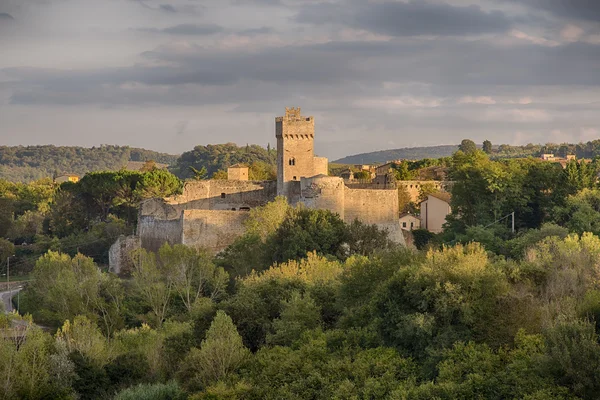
(590, 149)
(87, 216)
(313, 316)
(29, 163)
(211, 160)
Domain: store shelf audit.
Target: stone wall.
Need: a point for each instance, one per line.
(323, 192)
(413, 187)
(371, 206)
(119, 255)
(154, 232)
(212, 195)
(212, 229)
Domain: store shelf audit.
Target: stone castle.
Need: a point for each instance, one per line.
(211, 213)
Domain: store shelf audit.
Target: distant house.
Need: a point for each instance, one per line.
(237, 172)
(434, 211)
(347, 174)
(409, 221)
(67, 178)
(547, 157)
(385, 168)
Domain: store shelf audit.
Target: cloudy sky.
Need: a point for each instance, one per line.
(376, 74)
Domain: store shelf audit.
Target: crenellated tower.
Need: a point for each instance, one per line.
(295, 148)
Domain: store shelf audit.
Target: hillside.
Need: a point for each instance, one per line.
(27, 163)
(411, 153)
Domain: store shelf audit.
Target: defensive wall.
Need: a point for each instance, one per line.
(413, 187)
(212, 229)
(370, 206)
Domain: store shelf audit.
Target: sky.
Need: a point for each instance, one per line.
(376, 74)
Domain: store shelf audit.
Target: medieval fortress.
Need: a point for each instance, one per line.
(211, 213)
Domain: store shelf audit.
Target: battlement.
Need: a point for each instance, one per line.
(293, 114)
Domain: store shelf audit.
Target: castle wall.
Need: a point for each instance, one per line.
(371, 206)
(219, 195)
(119, 255)
(154, 232)
(375, 206)
(323, 192)
(413, 187)
(212, 229)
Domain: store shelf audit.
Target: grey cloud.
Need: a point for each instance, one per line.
(333, 69)
(408, 19)
(188, 29)
(256, 31)
(167, 8)
(578, 9)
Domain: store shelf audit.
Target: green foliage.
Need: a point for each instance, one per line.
(487, 147)
(298, 314)
(362, 175)
(64, 287)
(177, 270)
(219, 355)
(467, 146)
(220, 156)
(307, 230)
(422, 238)
(157, 391)
(573, 357)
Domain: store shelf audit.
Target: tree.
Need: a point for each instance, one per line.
(362, 175)
(305, 230)
(487, 147)
(193, 273)
(298, 314)
(220, 175)
(264, 221)
(467, 146)
(153, 283)
(219, 355)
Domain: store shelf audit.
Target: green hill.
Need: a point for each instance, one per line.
(28, 163)
(410, 153)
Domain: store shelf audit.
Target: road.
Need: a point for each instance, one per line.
(5, 296)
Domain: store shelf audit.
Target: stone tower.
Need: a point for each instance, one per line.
(295, 148)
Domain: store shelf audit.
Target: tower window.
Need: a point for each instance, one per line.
(295, 178)
(292, 161)
(222, 195)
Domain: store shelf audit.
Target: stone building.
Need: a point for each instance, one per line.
(211, 213)
(237, 172)
(409, 222)
(434, 210)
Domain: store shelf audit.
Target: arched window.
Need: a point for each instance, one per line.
(292, 161)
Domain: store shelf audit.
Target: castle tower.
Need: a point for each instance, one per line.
(295, 148)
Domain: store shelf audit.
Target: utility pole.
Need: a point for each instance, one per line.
(8, 283)
(513, 222)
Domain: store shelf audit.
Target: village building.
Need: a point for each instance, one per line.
(434, 210)
(409, 222)
(237, 172)
(66, 178)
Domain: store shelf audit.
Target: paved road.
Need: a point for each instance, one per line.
(5, 297)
